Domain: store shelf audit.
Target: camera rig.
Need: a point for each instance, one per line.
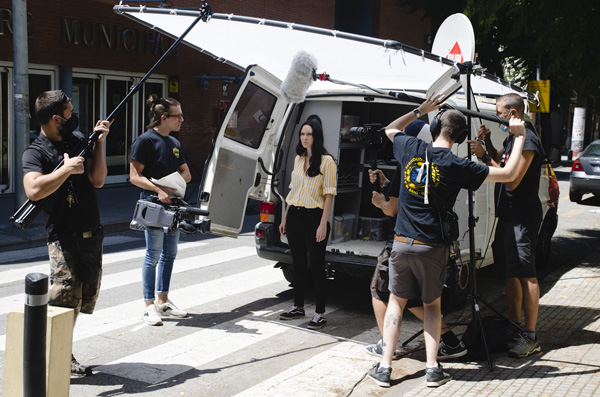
(369, 135)
(151, 213)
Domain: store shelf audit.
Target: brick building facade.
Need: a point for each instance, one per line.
(96, 55)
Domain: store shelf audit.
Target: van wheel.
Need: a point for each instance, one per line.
(458, 286)
(542, 253)
(575, 196)
(288, 273)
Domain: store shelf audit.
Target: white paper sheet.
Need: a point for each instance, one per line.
(173, 181)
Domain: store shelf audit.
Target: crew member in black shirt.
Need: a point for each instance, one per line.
(70, 209)
(519, 213)
(419, 255)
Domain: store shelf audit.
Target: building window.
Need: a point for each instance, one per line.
(4, 116)
(39, 82)
(86, 100)
(121, 130)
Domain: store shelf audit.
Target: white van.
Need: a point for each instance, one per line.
(253, 151)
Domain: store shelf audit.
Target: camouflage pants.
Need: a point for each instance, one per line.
(66, 290)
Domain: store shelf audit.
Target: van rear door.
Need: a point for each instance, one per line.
(248, 133)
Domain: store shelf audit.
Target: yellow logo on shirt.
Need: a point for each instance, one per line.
(411, 173)
(176, 152)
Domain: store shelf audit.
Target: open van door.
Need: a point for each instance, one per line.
(232, 173)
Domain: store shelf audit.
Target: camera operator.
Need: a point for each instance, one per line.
(519, 213)
(450, 346)
(71, 209)
(156, 154)
(419, 254)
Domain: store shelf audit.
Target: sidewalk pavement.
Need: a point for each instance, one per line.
(569, 333)
(116, 205)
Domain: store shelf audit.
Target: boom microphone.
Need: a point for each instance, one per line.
(482, 115)
(299, 77)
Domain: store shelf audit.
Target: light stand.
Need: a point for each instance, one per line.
(475, 312)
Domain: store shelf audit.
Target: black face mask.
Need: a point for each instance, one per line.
(70, 125)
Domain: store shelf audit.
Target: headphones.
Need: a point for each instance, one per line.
(436, 128)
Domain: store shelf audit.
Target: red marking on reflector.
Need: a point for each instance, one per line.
(455, 54)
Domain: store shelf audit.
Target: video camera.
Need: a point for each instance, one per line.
(151, 213)
(369, 135)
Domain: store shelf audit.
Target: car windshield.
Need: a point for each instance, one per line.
(592, 151)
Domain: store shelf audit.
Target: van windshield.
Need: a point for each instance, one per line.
(251, 115)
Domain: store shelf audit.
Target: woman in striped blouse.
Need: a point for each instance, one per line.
(306, 218)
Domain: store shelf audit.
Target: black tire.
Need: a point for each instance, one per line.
(575, 196)
(544, 243)
(458, 283)
(288, 273)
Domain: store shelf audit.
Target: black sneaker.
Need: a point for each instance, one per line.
(377, 350)
(291, 314)
(317, 322)
(381, 376)
(436, 376)
(78, 369)
(446, 352)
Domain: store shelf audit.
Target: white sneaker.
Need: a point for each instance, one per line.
(151, 315)
(169, 309)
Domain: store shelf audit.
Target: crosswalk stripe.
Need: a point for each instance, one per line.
(346, 359)
(127, 314)
(130, 276)
(172, 358)
(175, 357)
(13, 275)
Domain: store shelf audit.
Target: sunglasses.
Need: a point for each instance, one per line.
(179, 116)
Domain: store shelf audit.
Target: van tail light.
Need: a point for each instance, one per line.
(267, 212)
(577, 166)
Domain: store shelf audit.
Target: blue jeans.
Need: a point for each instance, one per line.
(161, 249)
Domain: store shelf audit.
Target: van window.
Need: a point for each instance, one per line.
(251, 116)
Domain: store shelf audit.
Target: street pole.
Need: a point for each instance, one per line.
(20, 95)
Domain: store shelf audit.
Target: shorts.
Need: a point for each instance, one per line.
(418, 271)
(381, 279)
(66, 290)
(514, 248)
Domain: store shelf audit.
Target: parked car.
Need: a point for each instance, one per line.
(386, 79)
(585, 173)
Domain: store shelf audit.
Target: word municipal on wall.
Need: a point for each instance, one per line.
(91, 34)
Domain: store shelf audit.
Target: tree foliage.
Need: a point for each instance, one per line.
(561, 38)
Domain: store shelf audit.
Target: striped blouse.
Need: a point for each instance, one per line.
(309, 192)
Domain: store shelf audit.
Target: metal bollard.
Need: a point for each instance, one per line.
(34, 335)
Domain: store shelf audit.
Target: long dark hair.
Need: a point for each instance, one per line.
(318, 149)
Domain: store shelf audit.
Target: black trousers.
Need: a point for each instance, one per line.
(301, 230)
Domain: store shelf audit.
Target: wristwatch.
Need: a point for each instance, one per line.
(485, 158)
(417, 112)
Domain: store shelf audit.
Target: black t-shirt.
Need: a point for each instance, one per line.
(160, 155)
(43, 155)
(449, 174)
(523, 203)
